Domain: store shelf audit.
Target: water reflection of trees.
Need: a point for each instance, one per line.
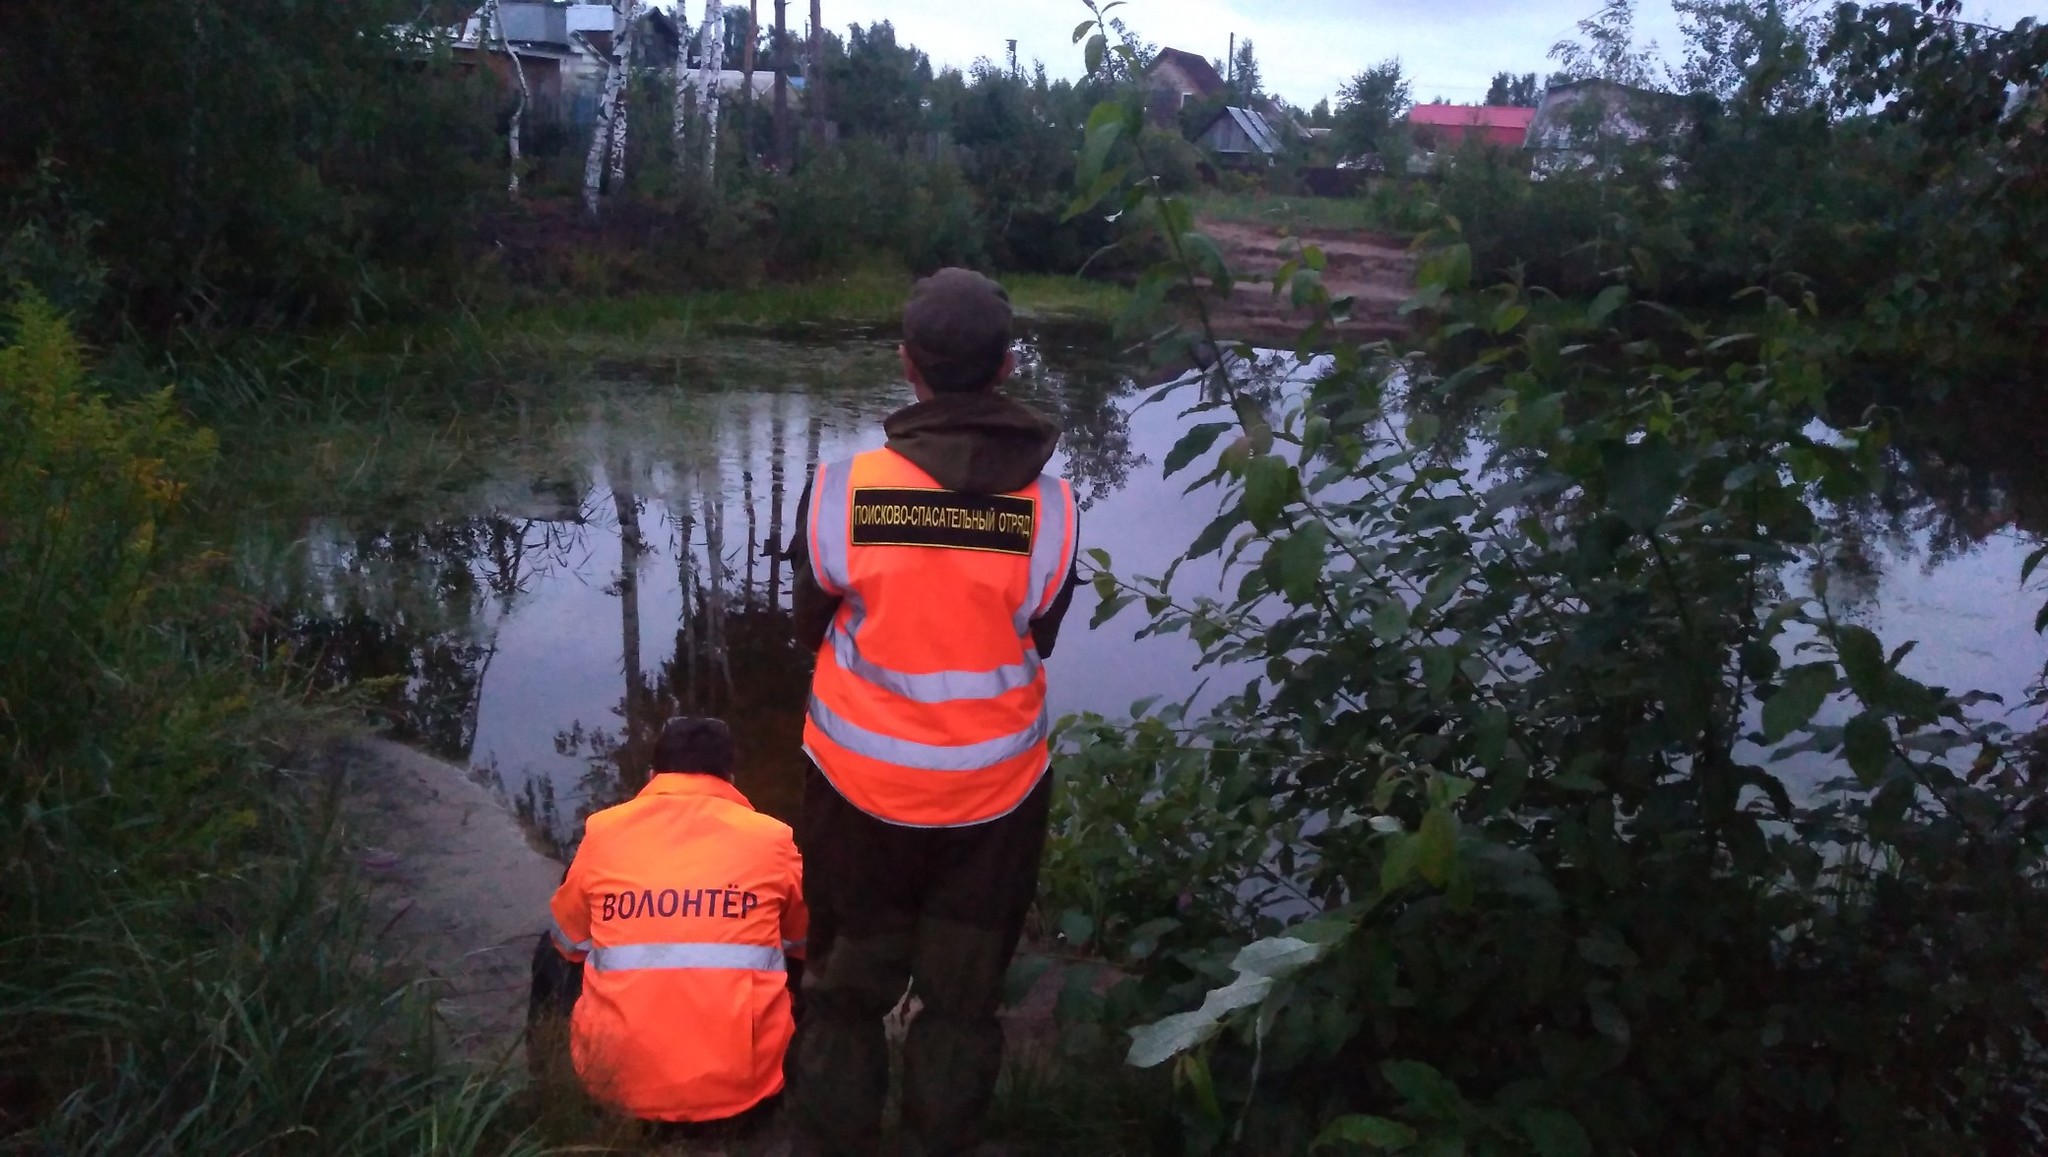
(1957, 473)
(404, 612)
(734, 652)
(683, 477)
(1956, 476)
(1082, 386)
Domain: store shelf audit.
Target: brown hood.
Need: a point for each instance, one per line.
(981, 443)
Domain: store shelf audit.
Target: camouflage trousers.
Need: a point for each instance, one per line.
(937, 910)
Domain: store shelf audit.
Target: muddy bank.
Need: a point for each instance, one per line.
(1375, 270)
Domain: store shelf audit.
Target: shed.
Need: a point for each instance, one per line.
(1239, 134)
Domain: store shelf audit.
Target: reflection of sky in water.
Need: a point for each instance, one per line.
(706, 467)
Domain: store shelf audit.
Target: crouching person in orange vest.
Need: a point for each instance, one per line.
(684, 908)
(931, 578)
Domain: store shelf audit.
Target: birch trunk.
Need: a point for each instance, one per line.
(601, 132)
(493, 18)
(622, 46)
(707, 89)
(679, 120)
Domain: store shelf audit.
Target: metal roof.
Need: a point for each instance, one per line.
(1263, 137)
(535, 23)
(1472, 116)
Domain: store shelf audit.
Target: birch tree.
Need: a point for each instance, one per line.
(622, 46)
(679, 121)
(611, 126)
(711, 64)
(494, 20)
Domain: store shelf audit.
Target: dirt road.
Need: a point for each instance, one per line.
(1376, 270)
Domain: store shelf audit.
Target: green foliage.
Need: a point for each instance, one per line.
(1608, 48)
(252, 162)
(85, 489)
(1371, 111)
(1247, 86)
(1751, 53)
(1514, 91)
(180, 971)
(1553, 814)
(1767, 178)
(878, 86)
(862, 199)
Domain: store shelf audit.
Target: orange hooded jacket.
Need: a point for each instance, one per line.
(682, 904)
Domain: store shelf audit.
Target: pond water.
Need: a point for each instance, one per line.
(610, 559)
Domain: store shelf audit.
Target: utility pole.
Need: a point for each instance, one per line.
(782, 141)
(814, 92)
(1230, 62)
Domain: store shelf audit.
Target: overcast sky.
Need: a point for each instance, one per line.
(1306, 48)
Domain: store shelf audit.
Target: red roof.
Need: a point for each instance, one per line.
(1472, 116)
(1454, 123)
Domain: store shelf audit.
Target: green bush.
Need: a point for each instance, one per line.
(184, 969)
(1490, 849)
(85, 489)
(863, 200)
(1495, 851)
(251, 163)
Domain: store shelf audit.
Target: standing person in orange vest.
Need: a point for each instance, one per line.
(931, 577)
(684, 907)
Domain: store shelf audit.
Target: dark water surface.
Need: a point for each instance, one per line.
(600, 567)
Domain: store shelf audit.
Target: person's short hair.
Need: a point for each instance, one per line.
(694, 743)
(956, 330)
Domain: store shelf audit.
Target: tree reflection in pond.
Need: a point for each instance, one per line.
(619, 561)
(623, 563)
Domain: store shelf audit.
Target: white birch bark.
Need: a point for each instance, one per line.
(493, 18)
(707, 95)
(679, 121)
(601, 132)
(623, 46)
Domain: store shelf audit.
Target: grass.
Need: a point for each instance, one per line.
(236, 1006)
(1379, 211)
(187, 966)
(869, 297)
(466, 360)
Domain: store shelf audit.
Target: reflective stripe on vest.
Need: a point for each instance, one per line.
(562, 939)
(930, 686)
(831, 509)
(929, 756)
(629, 957)
(960, 692)
(1051, 551)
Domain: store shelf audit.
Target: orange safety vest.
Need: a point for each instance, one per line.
(928, 704)
(682, 903)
